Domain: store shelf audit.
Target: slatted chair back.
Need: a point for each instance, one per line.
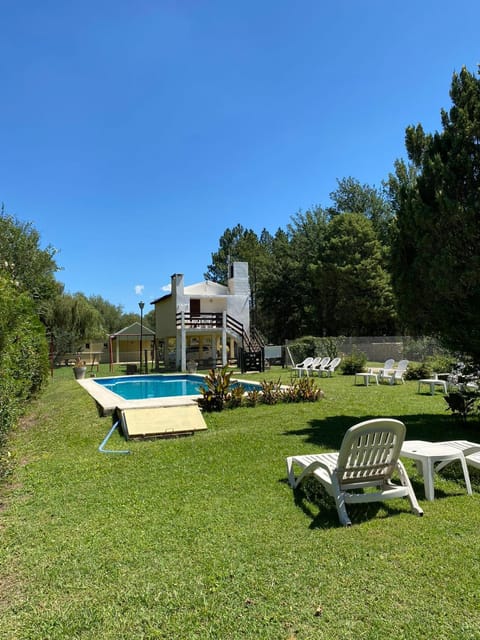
(369, 453)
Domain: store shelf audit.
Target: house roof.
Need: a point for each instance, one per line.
(206, 288)
(134, 329)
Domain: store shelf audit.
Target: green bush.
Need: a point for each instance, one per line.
(441, 363)
(354, 363)
(271, 391)
(303, 389)
(310, 346)
(216, 390)
(417, 371)
(463, 402)
(23, 355)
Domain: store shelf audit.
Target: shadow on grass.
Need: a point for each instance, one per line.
(320, 507)
(328, 432)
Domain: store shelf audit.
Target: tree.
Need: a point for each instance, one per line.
(436, 252)
(307, 232)
(111, 314)
(72, 321)
(22, 260)
(243, 245)
(352, 197)
(356, 288)
(283, 313)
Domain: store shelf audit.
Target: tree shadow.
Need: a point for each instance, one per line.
(328, 432)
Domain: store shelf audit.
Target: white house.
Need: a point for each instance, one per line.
(205, 322)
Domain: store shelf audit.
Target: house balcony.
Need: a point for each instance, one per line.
(210, 323)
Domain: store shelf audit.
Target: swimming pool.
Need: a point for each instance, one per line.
(160, 385)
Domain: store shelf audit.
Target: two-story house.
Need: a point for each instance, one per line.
(206, 323)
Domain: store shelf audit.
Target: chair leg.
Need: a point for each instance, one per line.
(339, 497)
(290, 473)
(405, 481)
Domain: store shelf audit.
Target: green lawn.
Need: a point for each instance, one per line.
(201, 537)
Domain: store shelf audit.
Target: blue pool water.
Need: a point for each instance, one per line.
(160, 386)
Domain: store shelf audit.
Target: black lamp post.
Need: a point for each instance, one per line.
(141, 305)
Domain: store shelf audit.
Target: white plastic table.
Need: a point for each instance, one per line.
(427, 454)
(432, 382)
(366, 376)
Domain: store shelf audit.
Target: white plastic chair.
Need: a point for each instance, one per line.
(330, 369)
(320, 365)
(368, 456)
(398, 374)
(387, 368)
(302, 367)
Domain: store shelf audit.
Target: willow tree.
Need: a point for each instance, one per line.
(436, 253)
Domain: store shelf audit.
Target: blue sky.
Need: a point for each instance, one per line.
(133, 133)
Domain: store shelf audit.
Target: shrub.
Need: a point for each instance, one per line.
(311, 346)
(23, 355)
(252, 398)
(235, 397)
(271, 391)
(354, 363)
(417, 371)
(216, 390)
(462, 402)
(302, 390)
(441, 363)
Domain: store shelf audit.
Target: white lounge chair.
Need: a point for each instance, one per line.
(368, 456)
(398, 374)
(330, 368)
(302, 367)
(471, 451)
(320, 365)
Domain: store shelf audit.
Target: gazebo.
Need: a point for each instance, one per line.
(124, 345)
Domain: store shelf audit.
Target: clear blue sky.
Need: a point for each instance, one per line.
(134, 132)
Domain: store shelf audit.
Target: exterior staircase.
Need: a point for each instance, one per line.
(252, 355)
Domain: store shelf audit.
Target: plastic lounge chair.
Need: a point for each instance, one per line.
(302, 367)
(320, 365)
(330, 369)
(471, 451)
(368, 456)
(387, 368)
(398, 374)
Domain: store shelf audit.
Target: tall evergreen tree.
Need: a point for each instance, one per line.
(352, 197)
(356, 287)
(436, 256)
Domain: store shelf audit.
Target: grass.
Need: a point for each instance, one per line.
(201, 537)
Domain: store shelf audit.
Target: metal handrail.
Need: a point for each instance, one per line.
(201, 320)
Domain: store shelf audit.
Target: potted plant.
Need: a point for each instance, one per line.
(79, 368)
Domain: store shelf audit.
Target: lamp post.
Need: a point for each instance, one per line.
(141, 305)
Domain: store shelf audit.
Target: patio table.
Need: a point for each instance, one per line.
(366, 376)
(432, 382)
(426, 454)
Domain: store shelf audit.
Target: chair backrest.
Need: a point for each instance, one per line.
(369, 452)
(306, 363)
(324, 362)
(389, 363)
(316, 362)
(399, 372)
(334, 364)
